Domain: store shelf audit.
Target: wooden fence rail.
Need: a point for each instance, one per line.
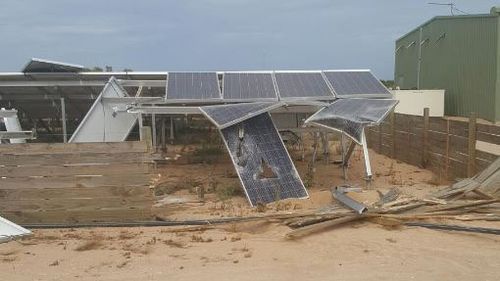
(446, 146)
(75, 182)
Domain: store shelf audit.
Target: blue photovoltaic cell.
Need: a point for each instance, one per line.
(356, 83)
(302, 85)
(352, 115)
(255, 143)
(226, 115)
(251, 86)
(192, 86)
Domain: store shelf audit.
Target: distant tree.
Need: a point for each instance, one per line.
(127, 70)
(96, 69)
(388, 83)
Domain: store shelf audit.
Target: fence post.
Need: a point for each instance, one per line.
(393, 134)
(425, 143)
(471, 165)
(380, 138)
(146, 138)
(447, 163)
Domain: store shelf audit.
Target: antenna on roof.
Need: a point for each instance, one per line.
(452, 6)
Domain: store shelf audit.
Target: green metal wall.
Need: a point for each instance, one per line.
(459, 54)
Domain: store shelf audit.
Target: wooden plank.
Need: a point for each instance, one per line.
(74, 169)
(437, 124)
(488, 128)
(491, 138)
(73, 193)
(58, 159)
(73, 216)
(72, 148)
(75, 181)
(485, 155)
(459, 128)
(471, 164)
(67, 204)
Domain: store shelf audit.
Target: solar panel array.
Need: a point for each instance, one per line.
(247, 85)
(193, 86)
(255, 142)
(356, 83)
(279, 85)
(302, 85)
(226, 115)
(351, 115)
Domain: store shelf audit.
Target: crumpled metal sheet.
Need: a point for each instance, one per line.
(255, 144)
(352, 115)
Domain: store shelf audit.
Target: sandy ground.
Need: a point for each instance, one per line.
(258, 250)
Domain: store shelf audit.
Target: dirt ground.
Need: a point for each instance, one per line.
(258, 250)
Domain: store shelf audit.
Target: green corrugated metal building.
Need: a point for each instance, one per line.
(460, 54)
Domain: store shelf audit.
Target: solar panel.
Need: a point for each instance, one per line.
(303, 85)
(262, 162)
(226, 115)
(352, 115)
(10, 230)
(41, 65)
(356, 84)
(192, 86)
(245, 85)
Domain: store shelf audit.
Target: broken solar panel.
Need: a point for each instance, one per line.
(305, 85)
(262, 162)
(192, 86)
(356, 84)
(10, 231)
(352, 115)
(41, 65)
(248, 86)
(226, 115)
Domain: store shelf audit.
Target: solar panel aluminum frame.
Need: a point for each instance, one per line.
(253, 99)
(193, 101)
(235, 164)
(389, 95)
(311, 98)
(334, 129)
(246, 117)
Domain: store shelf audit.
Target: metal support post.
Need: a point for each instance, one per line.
(366, 156)
(153, 125)
(63, 120)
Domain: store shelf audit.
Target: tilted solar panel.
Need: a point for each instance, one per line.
(192, 86)
(226, 115)
(307, 85)
(262, 162)
(248, 86)
(352, 115)
(356, 84)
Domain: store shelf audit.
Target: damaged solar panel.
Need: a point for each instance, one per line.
(356, 83)
(192, 86)
(352, 115)
(248, 85)
(226, 115)
(10, 230)
(262, 162)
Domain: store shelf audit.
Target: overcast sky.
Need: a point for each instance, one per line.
(214, 34)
